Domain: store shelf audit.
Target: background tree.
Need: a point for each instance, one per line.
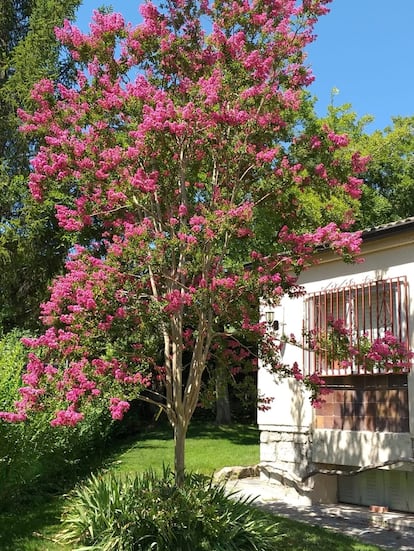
(32, 247)
(388, 190)
(177, 136)
(388, 193)
(230, 389)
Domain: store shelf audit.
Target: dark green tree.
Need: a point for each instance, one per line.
(31, 245)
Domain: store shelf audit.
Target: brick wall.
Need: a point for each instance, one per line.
(368, 402)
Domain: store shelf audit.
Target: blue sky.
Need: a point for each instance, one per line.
(364, 48)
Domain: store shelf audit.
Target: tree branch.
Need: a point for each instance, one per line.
(149, 400)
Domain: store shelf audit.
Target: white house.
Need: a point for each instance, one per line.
(367, 421)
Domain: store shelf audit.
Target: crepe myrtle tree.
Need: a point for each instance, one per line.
(180, 133)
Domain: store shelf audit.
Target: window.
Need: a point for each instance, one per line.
(358, 329)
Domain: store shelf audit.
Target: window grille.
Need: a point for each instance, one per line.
(364, 314)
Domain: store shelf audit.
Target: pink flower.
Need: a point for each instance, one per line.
(177, 300)
(320, 170)
(340, 140)
(118, 408)
(67, 417)
(182, 210)
(298, 375)
(13, 417)
(315, 142)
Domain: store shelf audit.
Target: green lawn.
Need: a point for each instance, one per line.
(296, 536)
(208, 448)
(32, 527)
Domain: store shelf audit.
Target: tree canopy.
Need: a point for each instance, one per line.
(388, 193)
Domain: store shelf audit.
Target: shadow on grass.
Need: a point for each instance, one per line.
(21, 528)
(236, 433)
(31, 517)
(303, 537)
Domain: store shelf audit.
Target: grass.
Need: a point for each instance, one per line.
(208, 448)
(296, 536)
(32, 526)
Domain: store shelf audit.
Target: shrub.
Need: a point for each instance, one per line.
(16, 449)
(34, 451)
(150, 513)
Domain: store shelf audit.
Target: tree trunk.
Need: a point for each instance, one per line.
(180, 431)
(223, 413)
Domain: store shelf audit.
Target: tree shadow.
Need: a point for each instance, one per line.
(20, 527)
(236, 433)
(299, 536)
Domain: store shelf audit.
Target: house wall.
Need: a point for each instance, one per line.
(294, 439)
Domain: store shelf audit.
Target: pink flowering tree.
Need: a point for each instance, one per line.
(180, 134)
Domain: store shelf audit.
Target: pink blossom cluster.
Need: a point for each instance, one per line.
(385, 353)
(345, 243)
(118, 408)
(68, 417)
(71, 355)
(176, 300)
(389, 354)
(265, 403)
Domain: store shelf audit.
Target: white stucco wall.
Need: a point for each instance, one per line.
(359, 448)
(290, 410)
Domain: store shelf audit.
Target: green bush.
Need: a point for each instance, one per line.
(15, 446)
(12, 360)
(150, 513)
(34, 451)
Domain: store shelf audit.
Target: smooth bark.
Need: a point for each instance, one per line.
(180, 432)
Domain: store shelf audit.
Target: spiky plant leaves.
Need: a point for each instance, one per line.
(150, 513)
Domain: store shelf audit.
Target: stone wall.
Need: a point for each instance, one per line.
(290, 450)
(286, 458)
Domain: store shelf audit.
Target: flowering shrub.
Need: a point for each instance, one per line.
(35, 452)
(384, 354)
(387, 353)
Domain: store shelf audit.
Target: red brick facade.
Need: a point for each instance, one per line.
(371, 402)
